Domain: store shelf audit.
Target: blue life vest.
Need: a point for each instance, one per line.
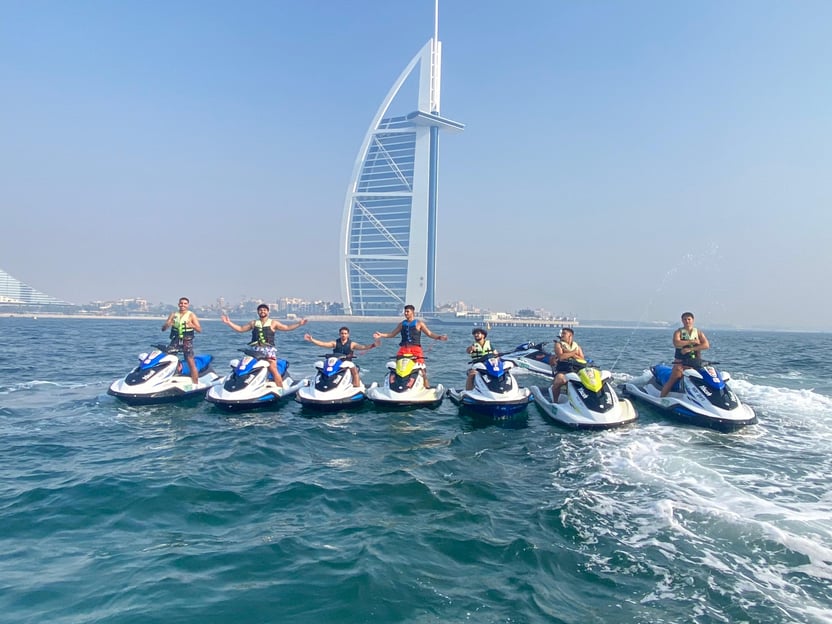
(410, 335)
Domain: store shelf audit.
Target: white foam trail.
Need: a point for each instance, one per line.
(686, 493)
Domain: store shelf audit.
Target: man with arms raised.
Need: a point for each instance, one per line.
(411, 330)
(345, 346)
(262, 336)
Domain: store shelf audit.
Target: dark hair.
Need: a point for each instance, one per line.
(340, 329)
(478, 330)
(184, 299)
(263, 306)
(690, 314)
(569, 329)
(409, 307)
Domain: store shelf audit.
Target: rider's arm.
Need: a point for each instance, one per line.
(234, 326)
(169, 322)
(429, 333)
(678, 342)
(320, 343)
(379, 334)
(282, 327)
(360, 347)
(703, 343)
(193, 321)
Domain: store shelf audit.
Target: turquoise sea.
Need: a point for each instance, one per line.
(183, 514)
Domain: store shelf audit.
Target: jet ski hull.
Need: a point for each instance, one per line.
(267, 395)
(685, 403)
(495, 394)
(383, 396)
(180, 390)
(332, 388)
(161, 378)
(495, 410)
(316, 400)
(571, 412)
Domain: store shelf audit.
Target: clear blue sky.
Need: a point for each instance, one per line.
(621, 160)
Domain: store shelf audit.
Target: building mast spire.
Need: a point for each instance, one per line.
(435, 62)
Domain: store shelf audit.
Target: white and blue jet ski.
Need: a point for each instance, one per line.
(161, 377)
(332, 388)
(251, 386)
(404, 386)
(701, 397)
(496, 394)
(531, 356)
(586, 400)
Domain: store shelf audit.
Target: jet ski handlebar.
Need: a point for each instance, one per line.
(166, 348)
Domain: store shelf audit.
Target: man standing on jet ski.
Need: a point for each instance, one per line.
(480, 347)
(183, 324)
(344, 346)
(689, 343)
(565, 349)
(262, 336)
(411, 331)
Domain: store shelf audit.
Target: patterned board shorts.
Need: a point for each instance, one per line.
(269, 351)
(186, 345)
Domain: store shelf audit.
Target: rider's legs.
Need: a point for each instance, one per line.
(559, 380)
(278, 379)
(469, 383)
(675, 375)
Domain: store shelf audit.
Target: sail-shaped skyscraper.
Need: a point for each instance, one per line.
(388, 232)
(13, 292)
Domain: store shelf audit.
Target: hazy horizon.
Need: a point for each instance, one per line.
(620, 161)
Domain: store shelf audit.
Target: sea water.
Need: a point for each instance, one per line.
(185, 514)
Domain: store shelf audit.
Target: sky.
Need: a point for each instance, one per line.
(620, 160)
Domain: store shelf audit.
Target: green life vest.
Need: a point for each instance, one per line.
(179, 329)
(692, 358)
(479, 350)
(262, 333)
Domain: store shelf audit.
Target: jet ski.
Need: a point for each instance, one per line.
(586, 401)
(161, 377)
(332, 388)
(250, 386)
(404, 386)
(496, 394)
(701, 397)
(532, 357)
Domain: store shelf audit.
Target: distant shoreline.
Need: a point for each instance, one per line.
(392, 320)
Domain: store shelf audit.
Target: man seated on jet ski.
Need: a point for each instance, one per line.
(480, 347)
(565, 349)
(262, 336)
(346, 347)
(411, 332)
(689, 343)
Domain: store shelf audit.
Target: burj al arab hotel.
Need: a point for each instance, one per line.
(388, 232)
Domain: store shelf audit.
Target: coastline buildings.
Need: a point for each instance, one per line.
(388, 231)
(14, 293)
